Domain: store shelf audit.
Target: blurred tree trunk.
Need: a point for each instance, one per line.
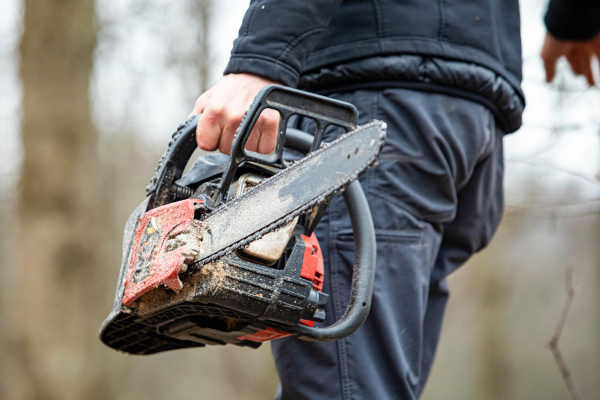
(59, 209)
(494, 372)
(202, 12)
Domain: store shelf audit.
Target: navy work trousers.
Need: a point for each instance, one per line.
(436, 198)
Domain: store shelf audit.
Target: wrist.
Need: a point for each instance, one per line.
(265, 67)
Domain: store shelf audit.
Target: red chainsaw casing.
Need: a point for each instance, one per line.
(150, 264)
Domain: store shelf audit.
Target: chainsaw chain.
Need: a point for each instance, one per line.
(301, 210)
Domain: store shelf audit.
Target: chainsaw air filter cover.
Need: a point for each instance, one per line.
(267, 289)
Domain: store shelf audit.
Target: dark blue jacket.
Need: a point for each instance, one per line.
(467, 48)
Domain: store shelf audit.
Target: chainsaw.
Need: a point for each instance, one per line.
(226, 253)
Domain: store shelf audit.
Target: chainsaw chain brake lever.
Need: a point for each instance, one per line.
(287, 101)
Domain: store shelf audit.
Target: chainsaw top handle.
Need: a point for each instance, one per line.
(287, 101)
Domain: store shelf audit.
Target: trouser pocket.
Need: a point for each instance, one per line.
(387, 351)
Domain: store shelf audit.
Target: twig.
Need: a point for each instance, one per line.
(550, 212)
(556, 168)
(553, 342)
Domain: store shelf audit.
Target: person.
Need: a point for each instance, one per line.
(445, 77)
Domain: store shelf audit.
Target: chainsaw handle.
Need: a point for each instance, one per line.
(365, 258)
(288, 102)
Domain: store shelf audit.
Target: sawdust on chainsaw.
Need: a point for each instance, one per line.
(210, 278)
(207, 281)
(258, 206)
(161, 296)
(231, 323)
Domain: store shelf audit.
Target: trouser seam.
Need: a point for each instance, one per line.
(333, 265)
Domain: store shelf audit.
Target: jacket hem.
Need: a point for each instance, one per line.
(423, 87)
(265, 67)
(411, 45)
(460, 79)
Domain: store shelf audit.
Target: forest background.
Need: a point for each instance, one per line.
(90, 92)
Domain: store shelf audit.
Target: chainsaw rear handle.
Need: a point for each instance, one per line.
(365, 257)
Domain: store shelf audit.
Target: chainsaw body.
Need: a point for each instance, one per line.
(268, 288)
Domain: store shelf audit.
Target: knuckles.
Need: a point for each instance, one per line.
(205, 144)
(214, 112)
(221, 118)
(269, 120)
(235, 118)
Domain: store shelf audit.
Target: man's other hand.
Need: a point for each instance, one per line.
(223, 107)
(580, 55)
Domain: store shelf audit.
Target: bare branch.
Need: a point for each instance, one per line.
(550, 212)
(553, 342)
(556, 168)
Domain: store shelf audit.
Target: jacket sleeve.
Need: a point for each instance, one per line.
(277, 36)
(573, 19)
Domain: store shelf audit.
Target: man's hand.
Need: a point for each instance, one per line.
(579, 54)
(223, 107)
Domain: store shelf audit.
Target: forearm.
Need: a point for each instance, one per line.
(573, 19)
(277, 36)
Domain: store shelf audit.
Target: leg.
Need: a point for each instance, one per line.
(478, 214)
(434, 143)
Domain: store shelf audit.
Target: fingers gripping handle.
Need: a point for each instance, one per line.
(288, 102)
